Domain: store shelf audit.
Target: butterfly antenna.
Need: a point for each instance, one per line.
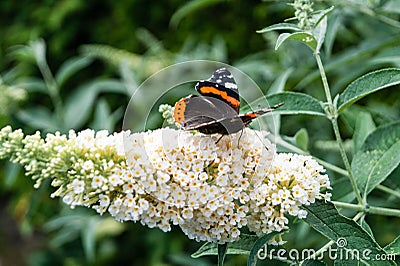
(263, 111)
(265, 146)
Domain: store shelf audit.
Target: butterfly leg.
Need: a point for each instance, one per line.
(241, 134)
(219, 139)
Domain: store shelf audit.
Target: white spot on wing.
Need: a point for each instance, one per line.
(230, 85)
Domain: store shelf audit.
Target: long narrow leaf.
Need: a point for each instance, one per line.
(368, 84)
(378, 157)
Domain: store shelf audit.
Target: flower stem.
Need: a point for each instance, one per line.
(384, 211)
(321, 250)
(51, 84)
(332, 115)
(388, 190)
(368, 209)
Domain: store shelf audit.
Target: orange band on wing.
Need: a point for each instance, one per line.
(252, 115)
(179, 111)
(224, 95)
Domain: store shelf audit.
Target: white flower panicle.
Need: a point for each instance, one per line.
(292, 180)
(167, 112)
(304, 14)
(170, 177)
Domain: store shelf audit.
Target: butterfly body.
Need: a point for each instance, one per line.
(217, 110)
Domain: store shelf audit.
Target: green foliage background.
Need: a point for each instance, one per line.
(99, 51)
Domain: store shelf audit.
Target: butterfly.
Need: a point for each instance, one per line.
(217, 110)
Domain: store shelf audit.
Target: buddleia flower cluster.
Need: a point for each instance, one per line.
(304, 13)
(210, 188)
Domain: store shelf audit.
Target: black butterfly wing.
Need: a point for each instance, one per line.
(221, 85)
(206, 114)
(248, 117)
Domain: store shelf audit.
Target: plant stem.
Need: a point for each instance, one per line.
(346, 160)
(321, 250)
(324, 82)
(288, 145)
(383, 211)
(222, 248)
(332, 115)
(388, 190)
(358, 216)
(51, 84)
(330, 166)
(368, 209)
(349, 206)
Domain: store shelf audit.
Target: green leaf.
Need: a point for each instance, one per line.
(319, 32)
(103, 118)
(377, 158)
(89, 238)
(79, 105)
(324, 218)
(321, 24)
(366, 227)
(294, 103)
(335, 21)
(301, 139)
(342, 190)
(39, 118)
(242, 246)
(311, 262)
(70, 67)
(394, 247)
(222, 253)
(364, 125)
(347, 262)
(191, 7)
(303, 37)
(368, 84)
(280, 26)
(207, 249)
(259, 245)
(34, 85)
(322, 14)
(11, 174)
(279, 83)
(344, 62)
(38, 48)
(391, 6)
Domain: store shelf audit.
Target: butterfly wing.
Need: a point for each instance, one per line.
(221, 85)
(248, 117)
(196, 113)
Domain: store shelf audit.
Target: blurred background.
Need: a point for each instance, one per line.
(72, 64)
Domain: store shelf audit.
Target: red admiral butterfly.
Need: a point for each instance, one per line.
(218, 110)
